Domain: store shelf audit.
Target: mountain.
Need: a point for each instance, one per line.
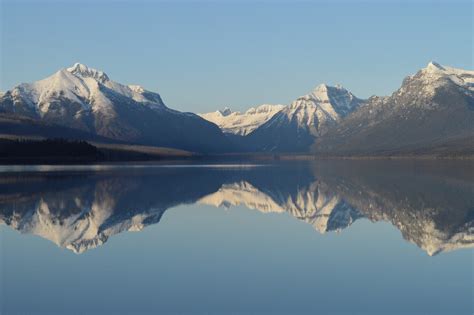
(431, 113)
(86, 99)
(241, 124)
(295, 128)
(21, 126)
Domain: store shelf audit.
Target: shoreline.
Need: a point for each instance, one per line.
(218, 159)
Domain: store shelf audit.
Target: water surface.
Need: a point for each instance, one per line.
(338, 237)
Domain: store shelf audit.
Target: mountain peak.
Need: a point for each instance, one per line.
(321, 88)
(242, 123)
(84, 71)
(433, 65)
(225, 112)
(324, 89)
(315, 112)
(435, 75)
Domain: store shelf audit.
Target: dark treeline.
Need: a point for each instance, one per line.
(66, 151)
(49, 148)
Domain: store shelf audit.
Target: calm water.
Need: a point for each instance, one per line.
(311, 238)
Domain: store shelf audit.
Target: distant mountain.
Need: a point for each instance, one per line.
(86, 99)
(241, 124)
(431, 113)
(295, 128)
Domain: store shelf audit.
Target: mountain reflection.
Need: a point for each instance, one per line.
(431, 203)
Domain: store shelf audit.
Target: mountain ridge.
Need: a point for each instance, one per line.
(433, 108)
(86, 99)
(294, 128)
(241, 124)
(432, 113)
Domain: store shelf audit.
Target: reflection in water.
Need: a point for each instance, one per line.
(431, 203)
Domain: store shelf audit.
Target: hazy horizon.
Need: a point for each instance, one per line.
(202, 56)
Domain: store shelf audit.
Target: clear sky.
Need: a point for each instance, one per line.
(202, 55)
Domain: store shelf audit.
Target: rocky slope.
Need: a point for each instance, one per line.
(296, 127)
(432, 112)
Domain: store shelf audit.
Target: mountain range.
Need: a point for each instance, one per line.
(295, 127)
(432, 113)
(242, 124)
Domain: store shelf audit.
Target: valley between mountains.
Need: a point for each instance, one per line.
(431, 114)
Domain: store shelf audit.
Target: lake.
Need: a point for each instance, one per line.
(325, 237)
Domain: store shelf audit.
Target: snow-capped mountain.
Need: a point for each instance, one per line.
(295, 128)
(79, 87)
(431, 113)
(436, 75)
(241, 124)
(87, 99)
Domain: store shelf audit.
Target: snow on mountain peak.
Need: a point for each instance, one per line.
(326, 93)
(84, 71)
(264, 108)
(78, 90)
(136, 88)
(433, 65)
(435, 68)
(225, 112)
(435, 75)
(242, 123)
(334, 101)
(321, 87)
(295, 127)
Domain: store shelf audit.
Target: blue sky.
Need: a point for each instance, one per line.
(201, 56)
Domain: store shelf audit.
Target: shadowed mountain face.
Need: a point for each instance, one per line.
(431, 113)
(432, 204)
(295, 127)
